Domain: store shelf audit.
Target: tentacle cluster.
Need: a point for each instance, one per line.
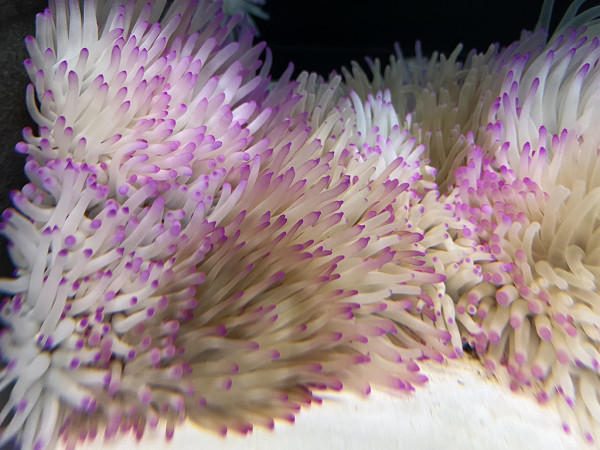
(194, 243)
(512, 135)
(197, 242)
(531, 192)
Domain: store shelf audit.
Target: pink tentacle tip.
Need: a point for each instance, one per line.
(589, 437)
(542, 397)
(494, 337)
(437, 357)
(490, 365)
(570, 402)
(421, 379)
(412, 366)
(22, 405)
(337, 385)
(153, 421)
(246, 429)
(169, 433)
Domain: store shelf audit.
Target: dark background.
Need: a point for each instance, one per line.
(316, 35)
(325, 35)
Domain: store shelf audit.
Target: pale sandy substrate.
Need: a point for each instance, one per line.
(460, 408)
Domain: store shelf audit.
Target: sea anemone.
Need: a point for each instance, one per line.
(519, 122)
(209, 249)
(160, 100)
(199, 243)
(429, 213)
(99, 291)
(442, 101)
(107, 220)
(305, 276)
(531, 190)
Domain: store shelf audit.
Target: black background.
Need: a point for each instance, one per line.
(325, 35)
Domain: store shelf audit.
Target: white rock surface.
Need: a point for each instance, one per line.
(460, 408)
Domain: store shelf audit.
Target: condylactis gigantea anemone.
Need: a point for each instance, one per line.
(199, 243)
(143, 99)
(527, 194)
(208, 249)
(445, 103)
(442, 102)
(532, 191)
